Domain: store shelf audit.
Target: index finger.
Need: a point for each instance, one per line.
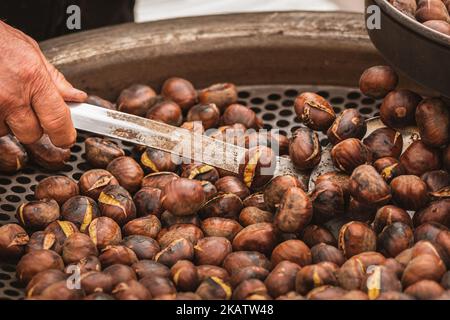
(53, 114)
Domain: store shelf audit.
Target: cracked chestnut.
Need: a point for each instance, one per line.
(148, 226)
(92, 182)
(223, 205)
(157, 160)
(90, 263)
(313, 276)
(323, 252)
(314, 111)
(423, 267)
(208, 114)
(389, 214)
(237, 113)
(58, 188)
(250, 289)
(81, 211)
(356, 237)
(295, 211)
(180, 249)
(13, 239)
(304, 149)
(349, 154)
(117, 254)
(349, 124)
(61, 230)
(37, 215)
(184, 275)
(384, 142)
(206, 271)
(277, 187)
(230, 184)
(116, 203)
(100, 152)
(187, 231)
(376, 82)
(104, 232)
(221, 227)
(378, 280)
(281, 280)
(211, 250)
(202, 172)
(214, 288)
(389, 168)
(395, 238)
(14, 156)
(368, 186)
(43, 240)
(144, 247)
(131, 290)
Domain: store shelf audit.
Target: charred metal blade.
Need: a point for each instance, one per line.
(177, 141)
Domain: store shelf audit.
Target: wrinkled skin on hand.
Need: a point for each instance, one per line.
(32, 92)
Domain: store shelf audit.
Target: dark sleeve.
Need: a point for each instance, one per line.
(43, 19)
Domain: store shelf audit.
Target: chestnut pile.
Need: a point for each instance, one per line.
(149, 228)
(434, 14)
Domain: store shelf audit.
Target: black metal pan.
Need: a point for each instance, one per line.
(414, 49)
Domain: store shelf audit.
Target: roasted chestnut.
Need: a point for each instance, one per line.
(380, 279)
(131, 290)
(425, 290)
(326, 293)
(120, 273)
(81, 211)
(221, 227)
(313, 276)
(211, 250)
(158, 286)
(183, 196)
(324, 252)
(395, 238)
(358, 211)
(295, 211)
(180, 91)
(384, 142)
(144, 247)
(61, 231)
(148, 268)
(328, 201)
(157, 160)
(158, 179)
(339, 178)
(95, 281)
(433, 121)
(277, 187)
(43, 240)
(214, 288)
(437, 211)
(292, 250)
(423, 267)
(208, 114)
(251, 272)
(194, 126)
(367, 186)
(184, 275)
(351, 274)
(281, 280)
(14, 157)
(233, 134)
(58, 188)
(44, 153)
(349, 124)
(168, 219)
(256, 200)
(100, 102)
(237, 113)
(128, 172)
(36, 261)
(167, 112)
(42, 280)
(428, 231)
(180, 249)
(256, 237)
(224, 205)
(190, 232)
(418, 158)
(376, 82)
(116, 203)
(202, 172)
(314, 111)
(104, 232)
(13, 239)
(251, 289)
(117, 254)
(100, 152)
(136, 99)
(349, 154)
(92, 182)
(231, 184)
(389, 168)
(409, 192)
(221, 94)
(399, 107)
(437, 182)
(206, 271)
(314, 234)
(389, 214)
(356, 237)
(88, 264)
(148, 202)
(305, 149)
(148, 226)
(61, 291)
(78, 246)
(432, 10)
(37, 215)
(209, 189)
(252, 215)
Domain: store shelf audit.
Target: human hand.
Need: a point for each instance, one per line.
(32, 92)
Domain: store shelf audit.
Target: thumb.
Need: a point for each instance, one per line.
(67, 91)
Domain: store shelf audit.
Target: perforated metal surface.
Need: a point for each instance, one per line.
(274, 104)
